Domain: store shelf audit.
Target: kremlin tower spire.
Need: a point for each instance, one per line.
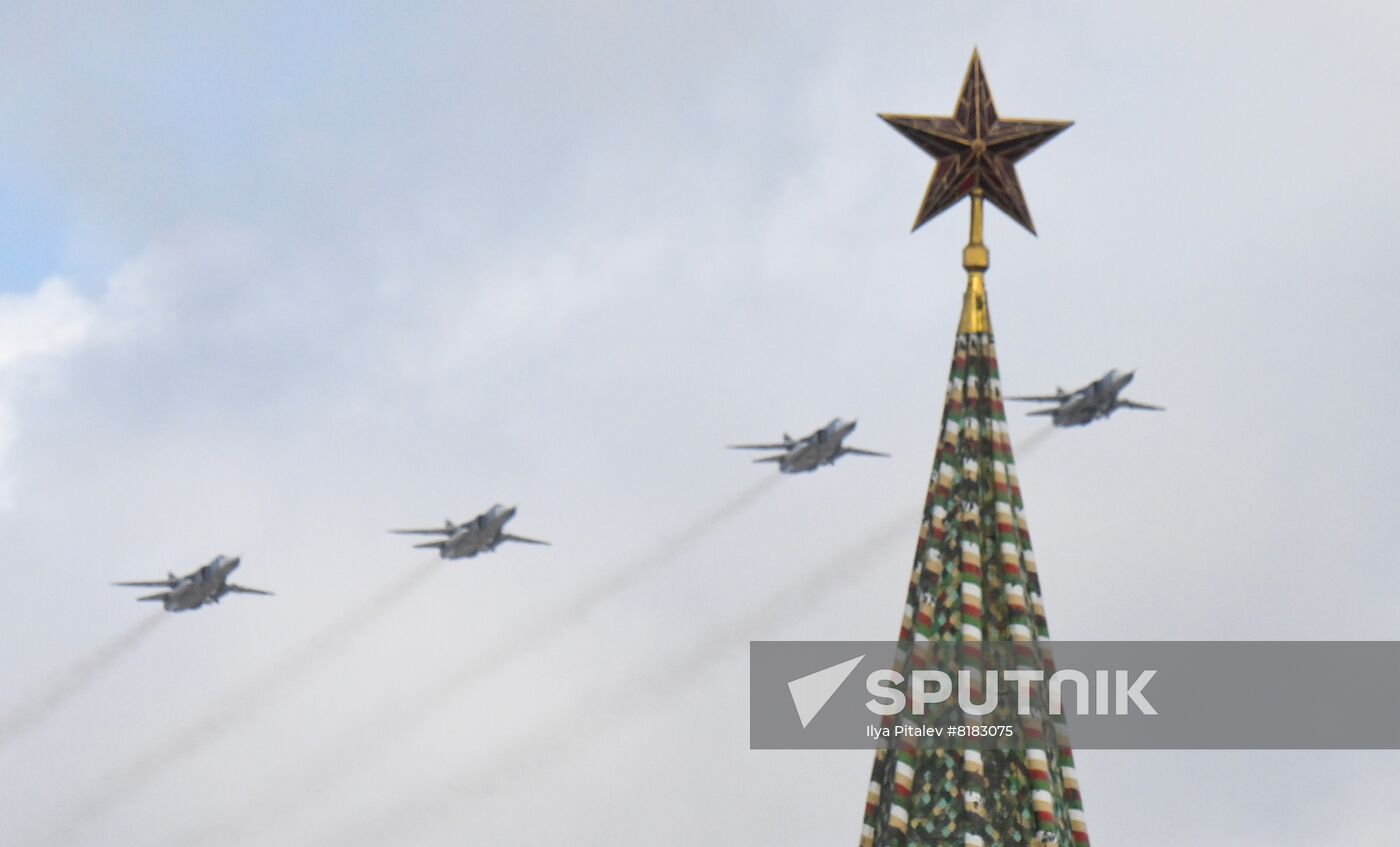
(974, 575)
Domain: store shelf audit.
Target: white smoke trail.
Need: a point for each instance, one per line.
(47, 702)
(653, 684)
(350, 749)
(1034, 440)
(237, 707)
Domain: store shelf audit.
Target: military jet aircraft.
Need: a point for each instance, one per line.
(193, 590)
(1098, 399)
(481, 534)
(822, 447)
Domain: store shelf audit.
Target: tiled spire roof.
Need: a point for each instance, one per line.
(974, 580)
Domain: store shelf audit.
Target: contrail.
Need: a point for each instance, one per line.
(654, 684)
(239, 706)
(45, 703)
(1034, 440)
(349, 749)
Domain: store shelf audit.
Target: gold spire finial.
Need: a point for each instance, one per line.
(976, 260)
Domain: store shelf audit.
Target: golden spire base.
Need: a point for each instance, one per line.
(976, 260)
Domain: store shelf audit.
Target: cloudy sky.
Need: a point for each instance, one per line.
(275, 279)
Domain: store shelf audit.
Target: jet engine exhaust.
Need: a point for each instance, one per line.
(237, 707)
(1034, 440)
(605, 708)
(49, 701)
(352, 748)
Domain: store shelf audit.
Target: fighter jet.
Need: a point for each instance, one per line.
(481, 534)
(802, 455)
(1098, 399)
(193, 590)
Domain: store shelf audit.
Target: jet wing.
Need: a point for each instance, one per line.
(1042, 412)
(760, 446)
(161, 596)
(506, 536)
(438, 544)
(162, 583)
(1129, 404)
(438, 531)
(860, 452)
(1040, 398)
(239, 589)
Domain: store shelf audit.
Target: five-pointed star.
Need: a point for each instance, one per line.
(975, 149)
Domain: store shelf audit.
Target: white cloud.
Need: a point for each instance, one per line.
(37, 329)
(49, 322)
